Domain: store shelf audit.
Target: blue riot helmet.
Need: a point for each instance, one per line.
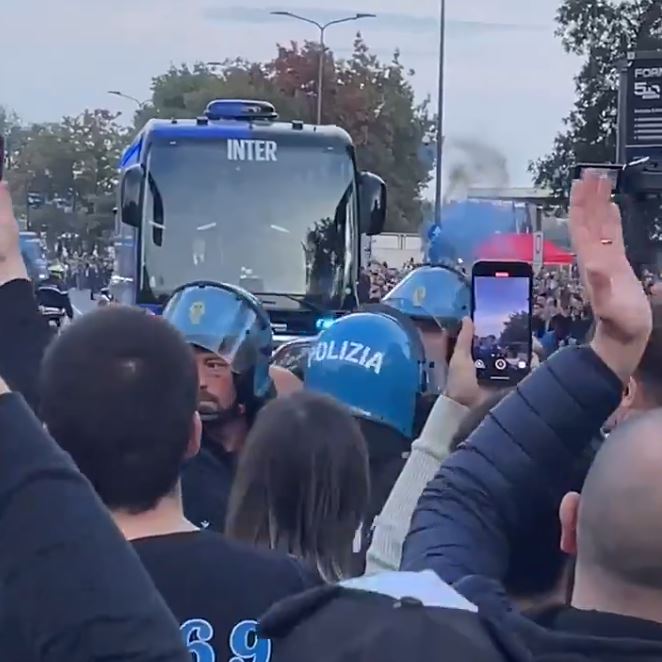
(374, 365)
(433, 297)
(293, 355)
(436, 293)
(228, 321)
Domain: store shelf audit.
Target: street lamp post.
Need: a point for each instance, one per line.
(117, 93)
(440, 115)
(322, 30)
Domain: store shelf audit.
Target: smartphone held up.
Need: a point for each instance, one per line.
(501, 304)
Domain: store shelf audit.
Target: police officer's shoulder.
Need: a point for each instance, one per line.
(54, 284)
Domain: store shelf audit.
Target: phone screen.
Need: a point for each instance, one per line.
(502, 326)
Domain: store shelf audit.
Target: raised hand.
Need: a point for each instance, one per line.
(11, 262)
(462, 383)
(619, 303)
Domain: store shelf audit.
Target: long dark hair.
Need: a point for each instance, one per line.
(302, 483)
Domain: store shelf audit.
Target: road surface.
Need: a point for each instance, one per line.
(81, 302)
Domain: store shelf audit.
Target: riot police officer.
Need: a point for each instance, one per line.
(231, 335)
(375, 363)
(435, 297)
(53, 297)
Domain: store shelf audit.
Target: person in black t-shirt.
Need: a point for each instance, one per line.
(120, 393)
(68, 597)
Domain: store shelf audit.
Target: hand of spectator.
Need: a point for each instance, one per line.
(462, 384)
(436, 352)
(619, 303)
(3, 387)
(12, 266)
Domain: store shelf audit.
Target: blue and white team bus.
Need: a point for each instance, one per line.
(34, 256)
(237, 196)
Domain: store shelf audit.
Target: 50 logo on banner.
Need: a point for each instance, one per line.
(648, 91)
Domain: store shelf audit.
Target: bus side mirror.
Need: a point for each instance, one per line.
(372, 203)
(131, 195)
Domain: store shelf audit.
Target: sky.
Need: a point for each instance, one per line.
(496, 300)
(508, 82)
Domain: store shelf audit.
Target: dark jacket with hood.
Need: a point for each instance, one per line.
(73, 589)
(515, 464)
(24, 336)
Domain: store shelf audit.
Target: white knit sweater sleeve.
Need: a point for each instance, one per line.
(427, 453)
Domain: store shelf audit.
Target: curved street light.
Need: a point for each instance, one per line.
(322, 30)
(117, 93)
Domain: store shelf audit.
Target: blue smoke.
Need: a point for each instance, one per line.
(465, 226)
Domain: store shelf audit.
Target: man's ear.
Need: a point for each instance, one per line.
(630, 394)
(569, 514)
(193, 447)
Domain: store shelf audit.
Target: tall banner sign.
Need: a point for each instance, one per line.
(643, 126)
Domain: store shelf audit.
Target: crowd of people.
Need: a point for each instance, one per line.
(167, 493)
(381, 278)
(84, 270)
(561, 314)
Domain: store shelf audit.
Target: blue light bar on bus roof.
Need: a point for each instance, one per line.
(240, 109)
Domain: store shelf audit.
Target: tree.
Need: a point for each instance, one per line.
(8, 120)
(63, 174)
(373, 101)
(515, 329)
(11, 130)
(603, 32)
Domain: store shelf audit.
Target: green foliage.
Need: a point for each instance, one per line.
(371, 100)
(72, 165)
(74, 161)
(516, 328)
(601, 31)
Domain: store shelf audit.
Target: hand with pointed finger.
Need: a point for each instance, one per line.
(12, 266)
(618, 300)
(462, 383)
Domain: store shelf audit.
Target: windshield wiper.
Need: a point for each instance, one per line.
(298, 298)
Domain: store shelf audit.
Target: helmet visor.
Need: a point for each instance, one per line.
(438, 295)
(218, 321)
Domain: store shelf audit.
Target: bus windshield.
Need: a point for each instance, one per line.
(277, 226)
